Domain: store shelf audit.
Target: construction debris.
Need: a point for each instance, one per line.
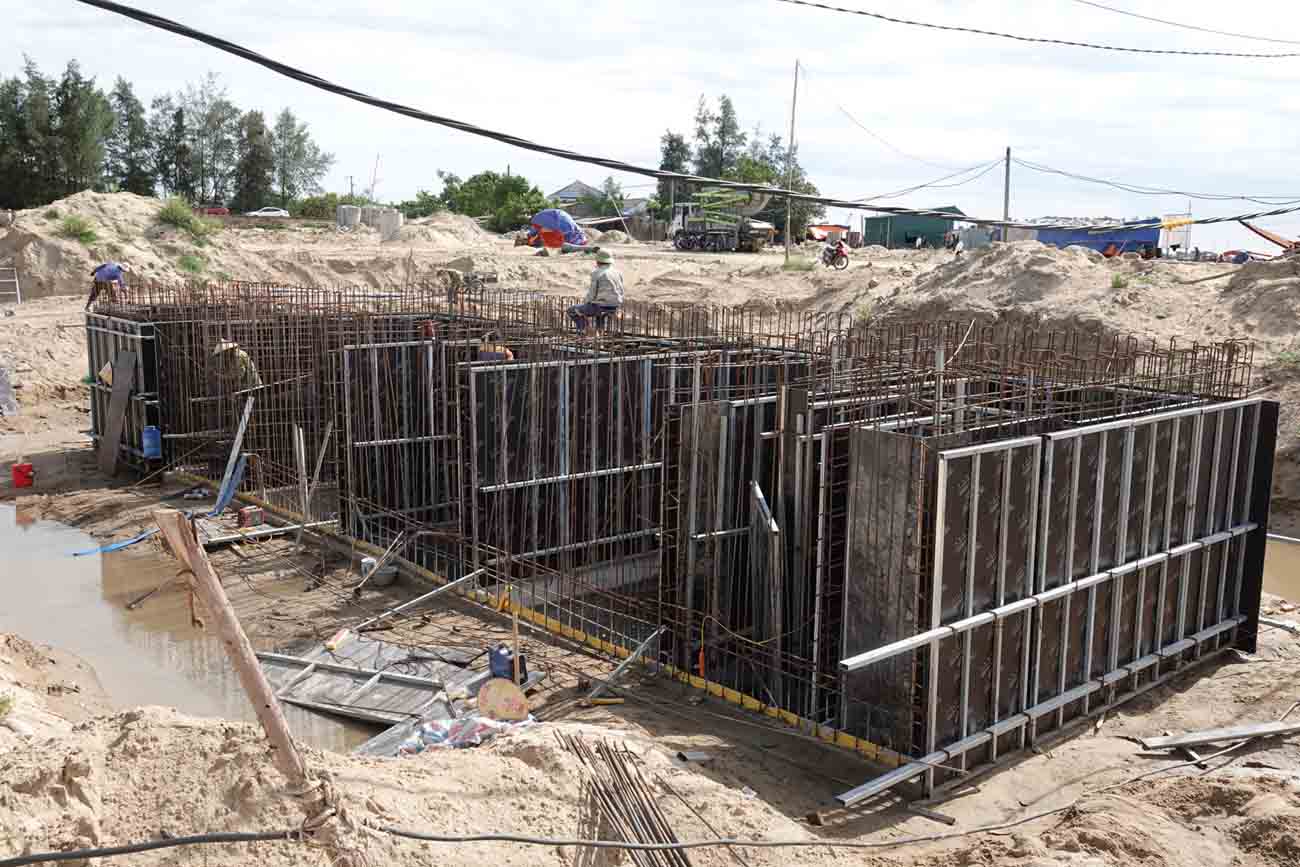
(1223, 735)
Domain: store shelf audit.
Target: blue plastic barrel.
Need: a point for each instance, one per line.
(501, 662)
(151, 442)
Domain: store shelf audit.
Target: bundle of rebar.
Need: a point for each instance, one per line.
(626, 803)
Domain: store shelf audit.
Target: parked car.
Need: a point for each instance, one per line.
(214, 211)
(268, 212)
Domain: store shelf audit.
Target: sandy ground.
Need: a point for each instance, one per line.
(77, 770)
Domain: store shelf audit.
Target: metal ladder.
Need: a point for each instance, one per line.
(9, 288)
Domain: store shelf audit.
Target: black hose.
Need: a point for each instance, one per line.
(220, 837)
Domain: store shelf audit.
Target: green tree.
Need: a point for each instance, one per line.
(169, 141)
(29, 154)
(508, 201)
(767, 165)
(213, 129)
(517, 210)
(255, 168)
(718, 139)
(424, 204)
(300, 164)
(610, 203)
(674, 156)
(82, 119)
(129, 164)
(324, 206)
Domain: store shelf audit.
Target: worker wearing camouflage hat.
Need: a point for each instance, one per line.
(604, 296)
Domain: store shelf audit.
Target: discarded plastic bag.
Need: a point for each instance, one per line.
(455, 733)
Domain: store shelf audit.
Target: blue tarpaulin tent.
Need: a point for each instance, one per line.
(553, 220)
(1126, 240)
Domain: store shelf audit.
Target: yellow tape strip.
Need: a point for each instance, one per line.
(861, 746)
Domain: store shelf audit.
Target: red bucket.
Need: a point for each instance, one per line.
(23, 475)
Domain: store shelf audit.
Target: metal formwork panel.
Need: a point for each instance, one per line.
(1150, 559)
(105, 337)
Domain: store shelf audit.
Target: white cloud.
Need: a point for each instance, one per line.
(609, 80)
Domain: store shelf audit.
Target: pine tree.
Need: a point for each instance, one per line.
(254, 172)
(299, 162)
(82, 121)
(129, 158)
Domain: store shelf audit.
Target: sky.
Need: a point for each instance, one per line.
(610, 79)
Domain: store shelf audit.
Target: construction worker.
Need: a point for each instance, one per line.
(235, 370)
(489, 349)
(605, 295)
(104, 277)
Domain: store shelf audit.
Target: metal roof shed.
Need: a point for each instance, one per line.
(902, 230)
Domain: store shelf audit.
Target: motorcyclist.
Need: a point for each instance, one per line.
(833, 250)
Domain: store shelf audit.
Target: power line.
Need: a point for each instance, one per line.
(1140, 190)
(1037, 39)
(1186, 26)
(936, 184)
(875, 135)
(615, 165)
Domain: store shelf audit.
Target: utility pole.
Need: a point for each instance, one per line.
(1006, 196)
(352, 190)
(789, 161)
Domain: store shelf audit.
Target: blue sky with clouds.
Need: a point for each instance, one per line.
(610, 79)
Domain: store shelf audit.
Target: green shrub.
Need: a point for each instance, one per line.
(78, 228)
(1119, 281)
(798, 263)
(191, 263)
(178, 213)
(1288, 358)
(6, 705)
(52, 214)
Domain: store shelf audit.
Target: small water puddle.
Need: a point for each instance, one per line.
(150, 655)
(1282, 569)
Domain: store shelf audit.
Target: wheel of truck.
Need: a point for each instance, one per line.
(841, 262)
(682, 242)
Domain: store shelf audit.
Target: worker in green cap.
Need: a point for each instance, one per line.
(604, 297)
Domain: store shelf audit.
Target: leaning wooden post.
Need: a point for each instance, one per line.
(176, 528)
(316, 798)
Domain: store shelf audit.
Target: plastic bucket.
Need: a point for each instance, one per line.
(151, 442)
(23, 475)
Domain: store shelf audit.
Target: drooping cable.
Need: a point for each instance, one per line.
(953, 28)
(1211, 30)
(615, 165)
(1141, 190)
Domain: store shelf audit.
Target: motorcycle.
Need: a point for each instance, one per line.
(835, 257)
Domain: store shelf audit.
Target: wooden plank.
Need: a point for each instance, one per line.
(350, 671)
(1232, 733)
(111, 436)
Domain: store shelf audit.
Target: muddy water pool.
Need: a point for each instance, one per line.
(147, 656)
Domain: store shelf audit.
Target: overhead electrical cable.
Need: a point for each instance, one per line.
(1033, 39)
(1141, 190)
(1227, 33)
(612, 164)
(803, 71)
(937, 184)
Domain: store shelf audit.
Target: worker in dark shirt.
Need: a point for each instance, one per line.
(105, 278)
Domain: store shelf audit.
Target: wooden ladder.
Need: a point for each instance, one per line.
(9, 288)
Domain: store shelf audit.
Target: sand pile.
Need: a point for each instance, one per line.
(150, 772)
(126, 229)
(446, 230)
(43, 346)
(1266, 297)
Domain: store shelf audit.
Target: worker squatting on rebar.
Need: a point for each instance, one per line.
(604, 297)
(104, 278)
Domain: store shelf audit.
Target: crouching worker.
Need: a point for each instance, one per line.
(604, 297)
(105, 278)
